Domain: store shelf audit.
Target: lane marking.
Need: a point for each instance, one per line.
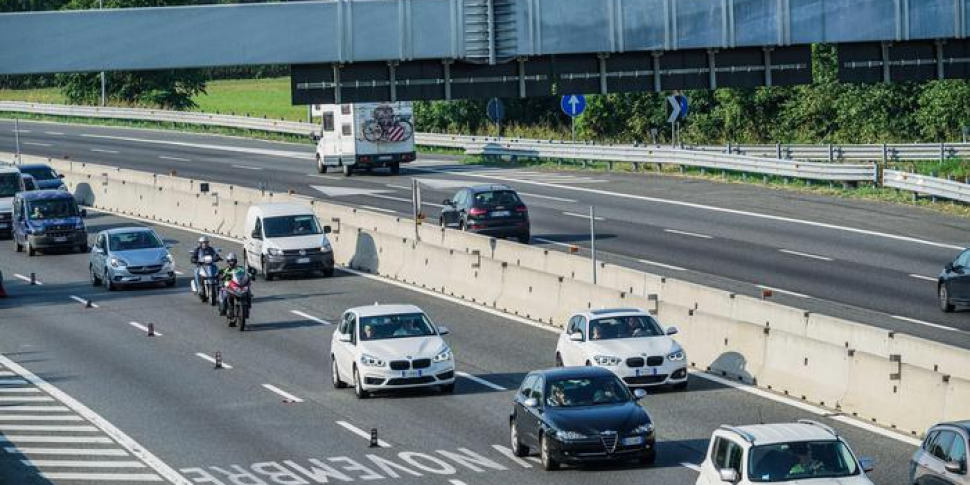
(784, 292)
(481, 381)
(19, 389)
(363, 434)
(44, 427)
(378, 209)
(144, 328)
(83, 301)
(549, 197)
(328, 177)
(282, 393)
(247, 167)
(67, 451)
(15, 438)
(807, 408)
(82, 464)
(722, 210)
(310, 317)
(103, 477)
(806, 255)
(689, 234)
(505, 450)
(174, 159)
(27, 279)
(26, 398)
(22, 131)
(662, 265)
(397, 187)
(254, 151)
(455, 481)
(926, 278)
(36, 144)
(692, 466)
(32, 417)
(401, 199)
(550, 241)
(533, 459)
(6, 373)
(582, 216)
(33, 409)
(212, 360)
(55, 133)
(928, 324)
(179, 273)
(101, 150)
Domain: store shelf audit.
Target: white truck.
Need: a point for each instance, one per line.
(363, 136)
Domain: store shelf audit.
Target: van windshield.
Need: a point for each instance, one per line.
(291, 226)
(51, 209)
(9, 184)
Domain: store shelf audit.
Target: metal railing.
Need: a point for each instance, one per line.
(931, 186)
(887, 152)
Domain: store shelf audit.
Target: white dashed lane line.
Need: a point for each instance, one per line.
(925, 278)
(928, 324)
(378, 209)
(549, 197)
(310, 317)
(143, 328)
(582, 216)
(363, 434)
(36, 144)
(662, 265)
(688, 234)
(101, 150)
(247, 167)
(806, 255)
(55, 133)
(490, 385)
(286, 395)
(84, 302)
(784, 292)
(212, 360)
(174, 159)
(27, 279)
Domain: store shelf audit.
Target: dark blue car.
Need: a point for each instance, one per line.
(45, 176)
(48, 219)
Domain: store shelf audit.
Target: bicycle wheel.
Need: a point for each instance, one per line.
(373, 132)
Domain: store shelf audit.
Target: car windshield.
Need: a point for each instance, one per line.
(9, 184)
(130, 241)
(402, 325)
(40, 173)
(51, 208)
(634, 326)
(587, 391)
(801, 460)
(291, 226)
(497, 198)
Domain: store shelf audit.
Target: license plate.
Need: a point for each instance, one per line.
(633, 441)
(385, 157)
(501, 213)
(60, 239)
(410, 373)
(302, 260)
(4, 225)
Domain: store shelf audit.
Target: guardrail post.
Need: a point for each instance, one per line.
(942, 152)
(831, 153)
(933, 197)
(778, 151)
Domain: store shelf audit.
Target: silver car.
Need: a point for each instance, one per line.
(130, 256)
(942, 459)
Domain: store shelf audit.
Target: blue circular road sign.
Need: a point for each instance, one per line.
(573, 104)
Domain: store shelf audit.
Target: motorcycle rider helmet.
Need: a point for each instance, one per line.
(203, 240)
(231, 259)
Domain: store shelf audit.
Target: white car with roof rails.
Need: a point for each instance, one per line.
(390, 347)
(11, 182)
(627, 341)
(804, 452)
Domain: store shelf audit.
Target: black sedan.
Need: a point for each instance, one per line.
(954, 284)
(578, 415)
(490, 210)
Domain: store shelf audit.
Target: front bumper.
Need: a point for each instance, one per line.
(668, 373)
(596, 449)
(312, 261)
(385, 379)
(134, 275)
(60, 239)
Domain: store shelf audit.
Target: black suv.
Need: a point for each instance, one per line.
(490, 210)
(954, 284)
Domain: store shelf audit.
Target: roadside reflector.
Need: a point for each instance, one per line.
(766, 294)
(218, 360)
(33, 279)
(373, 438)
(151, 329)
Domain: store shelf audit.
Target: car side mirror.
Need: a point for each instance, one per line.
(327, 229)
(639, 394)
(443, 331)
(576, 337)
(84, 213)
(867, 464)
(729, 475)
(60, 175)
(672, 331)
(345, 337)
(948, 267)
(531, 403)
(448, 202)
(955, 467)
(256, 235)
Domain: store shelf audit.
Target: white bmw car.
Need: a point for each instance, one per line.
(628, 342)
(388, 347)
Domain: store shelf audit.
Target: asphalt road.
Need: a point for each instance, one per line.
(227, 426)
(866, 261)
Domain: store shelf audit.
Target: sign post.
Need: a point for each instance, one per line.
(416, 207)
(16, 136)
(573, 105)
(496, 112)
(592, 239)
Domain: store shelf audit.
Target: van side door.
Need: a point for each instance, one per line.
(254, 246)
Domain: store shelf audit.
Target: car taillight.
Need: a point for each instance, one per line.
(364, 159)
(522, 209)
(477, 211)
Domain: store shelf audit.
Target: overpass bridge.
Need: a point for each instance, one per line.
(356, 50)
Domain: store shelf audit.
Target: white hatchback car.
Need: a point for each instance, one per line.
(628, 342)
(388, 347)
(806, 452)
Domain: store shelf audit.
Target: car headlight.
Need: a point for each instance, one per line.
(372, 361)
(570, 435)
(118, 263)
(167, 260)
(274, 252)
(645, 428)
(607, 360)
(325, 246)
(37, 231)
(443, 356)
(677, 356)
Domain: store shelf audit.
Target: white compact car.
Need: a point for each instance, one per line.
(388, 347)
(806, 452)
(628, 342)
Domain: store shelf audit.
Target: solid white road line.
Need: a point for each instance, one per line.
(67, 451)
(55, 133)
(101, 150)
(25, 398)
(33, 143)
(174, 159)
(212, 360)
(283, 393)
(53, 439)
(82, 464)
(481, 381)
(921, 277)
(692, 466)
(27, 279)
(310, 317)
(103, 477)
(22, 131)
(784, 292)
(31, 417)
(549, 197)
(32, 409)
(20, 390)
(247, 167)
(582, 216)
(550, 241)
(690, 234)
(83, 301)
(662, 265)
(397, 187)
(806, 255)
(455, 481)
(144, 328)
(363, 434)
(928, 324)
(328, 177)
(45, 427)
(378, 209)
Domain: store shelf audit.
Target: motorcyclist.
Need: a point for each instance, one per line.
(225, 276)
(198, 256)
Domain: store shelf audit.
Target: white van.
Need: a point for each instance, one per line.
(11, 182)
(286, 238)
(366, 135)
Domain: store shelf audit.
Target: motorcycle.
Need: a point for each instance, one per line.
(240, 298)
(208, 275)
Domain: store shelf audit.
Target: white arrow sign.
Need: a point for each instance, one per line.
(675, 113)
(573, 101)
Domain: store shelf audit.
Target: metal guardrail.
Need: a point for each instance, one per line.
(761, 159)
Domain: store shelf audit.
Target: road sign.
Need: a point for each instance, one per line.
(573, 104)
(682, 100)
(678, 105)
(495, 110)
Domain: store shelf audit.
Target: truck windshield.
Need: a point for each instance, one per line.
(9, 184)
(51, 209)
(291, 226)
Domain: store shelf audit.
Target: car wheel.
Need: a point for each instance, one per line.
(558, 360)
(548, 463)
(320, 166)
(265, 272)
(328, 272)
(108, 283)
(347, 170)
(945, 304)
(649, 458)
(680, 386)
(95, 281)
(30, 248)
(518, 449)
(448, 388)
(170, 283)
(359, 386)
(19, 247)
(335, 375)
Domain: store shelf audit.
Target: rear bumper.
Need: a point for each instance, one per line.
(505, 230)
(296, 264)
(384, 160)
